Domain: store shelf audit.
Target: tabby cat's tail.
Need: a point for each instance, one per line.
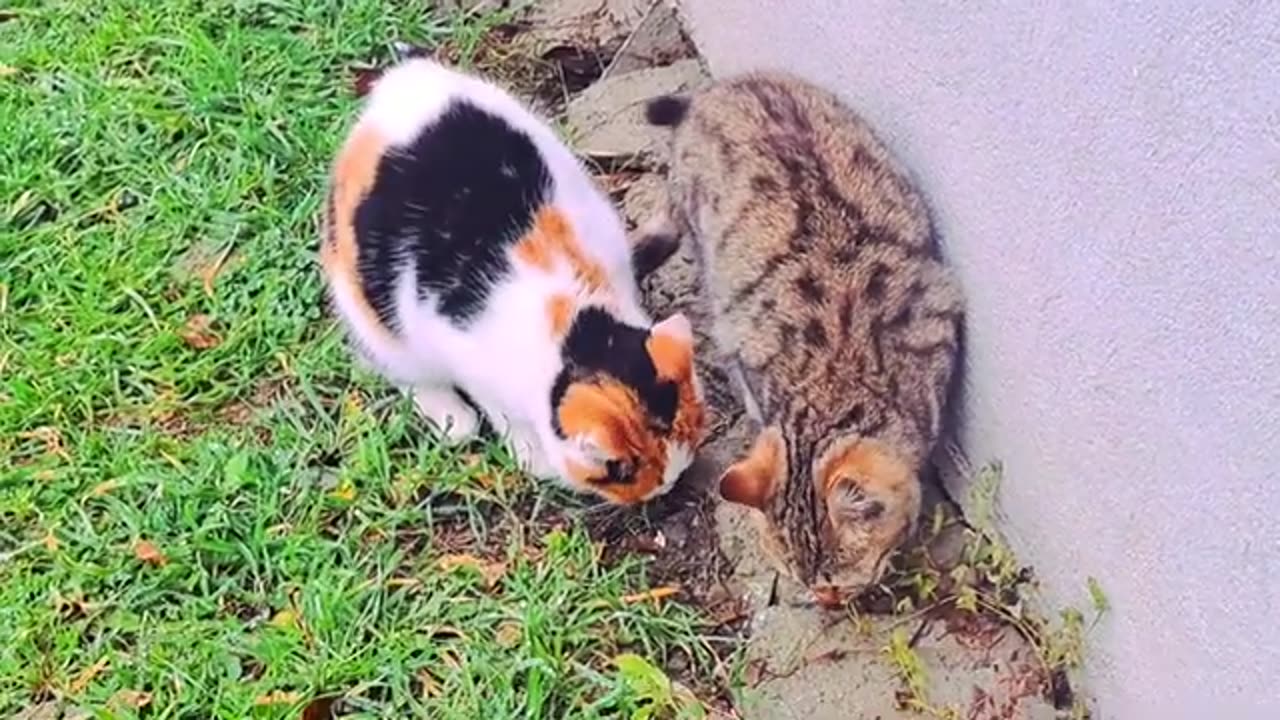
(666, 110)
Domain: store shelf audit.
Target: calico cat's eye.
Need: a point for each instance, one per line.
(618, 471)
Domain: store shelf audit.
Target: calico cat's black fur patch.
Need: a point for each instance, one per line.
(598, 343)
(450, 204)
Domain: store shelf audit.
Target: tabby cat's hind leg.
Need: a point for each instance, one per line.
(444, 408)
(653, 244)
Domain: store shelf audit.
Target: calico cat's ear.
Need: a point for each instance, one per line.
(676, 327)
(753, 480)
(670, 346)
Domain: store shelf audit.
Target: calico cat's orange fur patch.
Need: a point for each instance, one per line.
(872, 465)
(550, 239)
(353, 177)
(611, 413)
(559, 314)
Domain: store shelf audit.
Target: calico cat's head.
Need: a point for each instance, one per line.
(627, 407)
(830, 523)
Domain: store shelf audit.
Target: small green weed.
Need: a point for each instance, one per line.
(988, 581)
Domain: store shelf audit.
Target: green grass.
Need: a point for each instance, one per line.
(298, 510)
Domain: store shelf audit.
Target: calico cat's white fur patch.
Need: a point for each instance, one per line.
(466, 249)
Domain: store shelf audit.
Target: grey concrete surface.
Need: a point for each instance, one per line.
(1106, 179)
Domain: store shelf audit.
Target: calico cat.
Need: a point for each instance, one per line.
(472, 261)
(828, 302)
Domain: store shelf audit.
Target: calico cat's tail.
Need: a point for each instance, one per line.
(666, 110)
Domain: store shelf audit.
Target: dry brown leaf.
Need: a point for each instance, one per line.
(88, 675)
(450, 657)
(491, 571)
(277, 697)
(509, 634)
(655, 595)
(210, 273)
(50, 541)
(135, 699)
(445, 632)
(71, 607)
(320, 708)
(403, 582)
(430, 686)
(147, 552)
(198, 333)
(104, 487)
(52, 439)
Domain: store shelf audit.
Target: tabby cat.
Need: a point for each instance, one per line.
(473, 262)
(828, 302)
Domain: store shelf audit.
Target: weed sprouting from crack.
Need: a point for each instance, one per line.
(981, 585)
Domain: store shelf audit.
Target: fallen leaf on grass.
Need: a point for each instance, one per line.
(104, 487)
(491, 571)
(508, 635)
(285, 619)
(320, 708)
(345, 492)
(88, 675)
(52, 439)
(135, 699)
(50, 541)
(198, 333)
(655, 595)
(277, 697)
(70, 608)
(210, 273)
(147, 552)
(430, 686)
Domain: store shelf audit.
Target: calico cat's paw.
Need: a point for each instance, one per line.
(456, 421)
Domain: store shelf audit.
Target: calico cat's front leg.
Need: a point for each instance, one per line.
(447, 411)
(532, 457)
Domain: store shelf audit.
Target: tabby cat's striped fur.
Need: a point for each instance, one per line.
(828, 300)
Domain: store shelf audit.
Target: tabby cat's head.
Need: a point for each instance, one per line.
(833, 523)
(627, 408)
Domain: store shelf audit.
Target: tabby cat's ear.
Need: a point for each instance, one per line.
(847, 501)
(670, 346)
(753, 480)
